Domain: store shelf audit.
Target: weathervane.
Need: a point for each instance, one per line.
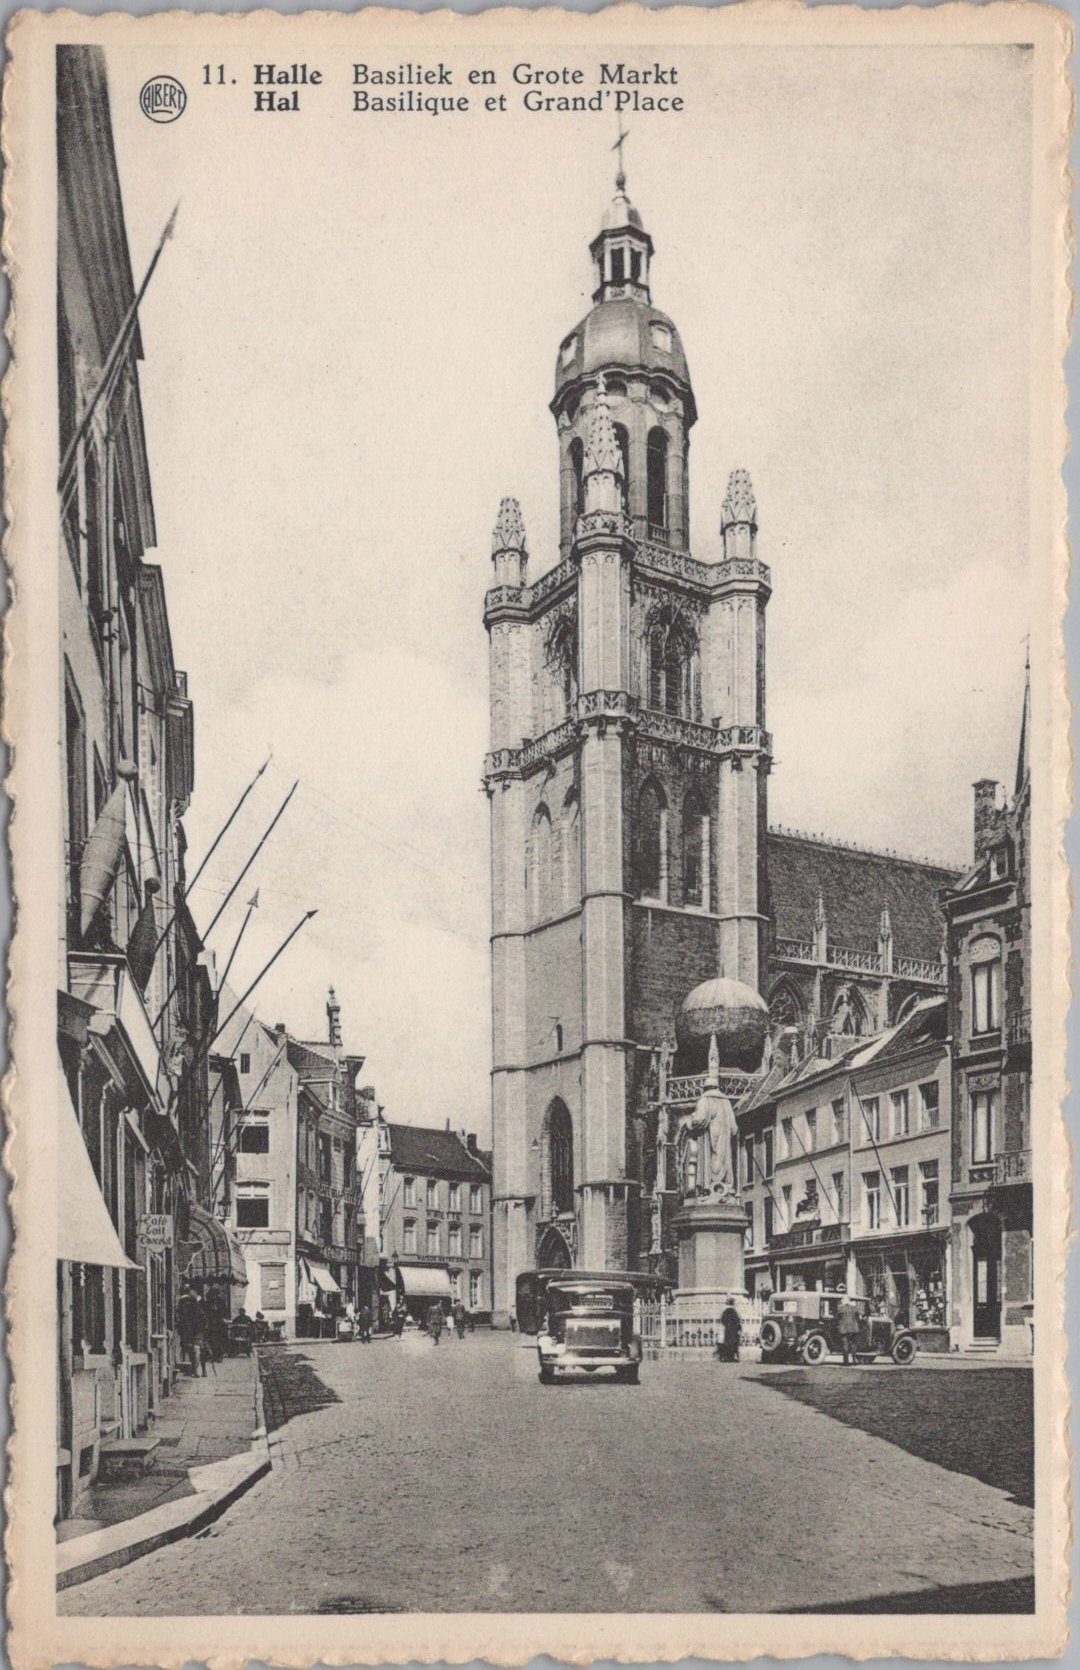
(620, 178)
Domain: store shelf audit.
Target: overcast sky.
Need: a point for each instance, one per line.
(350, 346)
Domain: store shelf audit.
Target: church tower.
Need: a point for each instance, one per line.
(627, 781)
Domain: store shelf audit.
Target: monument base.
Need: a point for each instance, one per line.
(711, 1239)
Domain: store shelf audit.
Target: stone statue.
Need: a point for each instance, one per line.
(705, 1149)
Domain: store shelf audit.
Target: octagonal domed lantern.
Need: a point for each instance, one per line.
(734, 1013)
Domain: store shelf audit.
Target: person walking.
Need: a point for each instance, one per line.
(397, 1321)
(728, 1349)
(363, 1324)
(847, 1326)
(435, 1321)
(459, 1319)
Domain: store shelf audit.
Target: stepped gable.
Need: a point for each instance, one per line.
(856, 885)
(421, 1148)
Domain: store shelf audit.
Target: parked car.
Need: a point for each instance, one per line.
(586, 1326)
(801, 1327)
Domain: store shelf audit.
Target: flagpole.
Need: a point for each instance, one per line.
(264, 970)
(114, 354)
(209, 855)
(250, 862)
(252, 906)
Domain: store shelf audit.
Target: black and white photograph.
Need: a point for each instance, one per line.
(540, 757)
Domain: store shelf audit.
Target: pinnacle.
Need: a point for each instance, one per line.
(509, 530)
(739, 502)
(602, 452)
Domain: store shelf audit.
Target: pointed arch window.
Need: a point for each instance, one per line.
(652, 836)
(539, 868)
(577, 464)
(622, 440)
(571, 851)
(672, 672)
(656, 466)
(696, 889)
(557, 1161)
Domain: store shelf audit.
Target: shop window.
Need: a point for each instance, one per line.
(474, 1289)
(408, 1186)
(253, 1206)
(767, 1152)
(475, 1198)
(409, 1236)
(928, 1175)
(255, 1135)
(900, 1196)
(872, 1199)
(476, 1241)
(983, 1123)
(930, 1105)
(901, 1113)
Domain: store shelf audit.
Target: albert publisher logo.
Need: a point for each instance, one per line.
(163, 99)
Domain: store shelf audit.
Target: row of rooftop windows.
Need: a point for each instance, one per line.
(433, 1239)
(433, 1195)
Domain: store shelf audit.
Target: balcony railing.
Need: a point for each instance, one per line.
(795, 950)
(1014, 1167)
(920, 968)
(732, 1085)
(1019, 1028)
(843, 956)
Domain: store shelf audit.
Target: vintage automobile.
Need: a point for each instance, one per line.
(801, 1327)
(586, 1324)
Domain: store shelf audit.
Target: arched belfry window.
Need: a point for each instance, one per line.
(571, 851)
(652, 842)
(557, 1161)
(622, 440)
(539, 868)
(695, 834)
(577, 464)
(562, 659)
(672, 674)
(656, 465)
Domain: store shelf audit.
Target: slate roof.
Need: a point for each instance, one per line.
(856, 886)
(312, 1060)
(422, 1149)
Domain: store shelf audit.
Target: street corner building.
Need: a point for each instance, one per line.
(136, 1009)
(656, 945)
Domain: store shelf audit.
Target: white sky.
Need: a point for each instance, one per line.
(350, 348)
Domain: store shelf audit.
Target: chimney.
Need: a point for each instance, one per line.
(987, 815)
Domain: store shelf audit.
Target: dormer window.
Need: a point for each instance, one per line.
(661, 336)
(568, 351)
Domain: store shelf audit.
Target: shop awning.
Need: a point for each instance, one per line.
(321, 1276)
(85, 1231)
(387, 1282)
(424, 1281)
(210, 1253)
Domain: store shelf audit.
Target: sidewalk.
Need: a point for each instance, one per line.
(211, 1446)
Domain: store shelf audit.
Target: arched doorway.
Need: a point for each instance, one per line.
(553, 1252)
(985, 1276)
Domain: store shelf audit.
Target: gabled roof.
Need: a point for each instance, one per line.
(421, 1148)
(856, 886)
(312, 1060)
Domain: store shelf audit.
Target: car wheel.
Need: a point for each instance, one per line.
(903, 1352)
(547, 1376)
(815, 1349)
(770, 1334)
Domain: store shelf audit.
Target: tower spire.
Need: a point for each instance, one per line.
(620, 173)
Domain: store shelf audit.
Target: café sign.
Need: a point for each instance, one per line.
(155, 1231)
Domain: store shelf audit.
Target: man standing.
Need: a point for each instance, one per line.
(847, 1326)
(363, 1324)
(459, 1319)
(435, 1321)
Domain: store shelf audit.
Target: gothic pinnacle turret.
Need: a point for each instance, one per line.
(603, 468)
(509, 552)
(738, 516)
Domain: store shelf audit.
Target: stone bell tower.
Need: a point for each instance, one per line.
(626, 778)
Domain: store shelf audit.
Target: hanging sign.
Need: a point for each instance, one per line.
(155, 1231)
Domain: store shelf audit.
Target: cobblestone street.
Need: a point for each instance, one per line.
(409, 1477)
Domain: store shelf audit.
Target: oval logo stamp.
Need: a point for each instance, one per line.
(163, 98)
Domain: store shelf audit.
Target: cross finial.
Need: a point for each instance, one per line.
(620, 177)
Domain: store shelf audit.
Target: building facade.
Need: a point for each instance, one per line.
(427, 1204)
(989, 944)
(627, 779)
(136, 1005)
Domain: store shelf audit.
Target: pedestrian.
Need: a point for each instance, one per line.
(731, 1323)
(470, 1317)
(397, 1321)
(459, 1319)
(435, 1321)
(363, 1323)
(191, 1325)
(847, 1325)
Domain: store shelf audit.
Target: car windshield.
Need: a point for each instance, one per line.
(589, 1298)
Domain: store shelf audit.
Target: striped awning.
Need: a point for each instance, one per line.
(210, 1253)
(424, 1281)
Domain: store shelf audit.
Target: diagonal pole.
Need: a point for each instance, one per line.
(253, 905)
(213, 848)
(267, 966)
(251, 860)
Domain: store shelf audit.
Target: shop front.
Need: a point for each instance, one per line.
(908, 1277)
(421, 1285)
(319, 1299)
(812, 1256)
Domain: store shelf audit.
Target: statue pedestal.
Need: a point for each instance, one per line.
(711, 1238)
